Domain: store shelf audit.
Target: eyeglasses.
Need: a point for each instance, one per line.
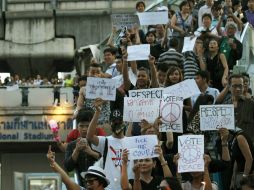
(237, 86)
(90, 180)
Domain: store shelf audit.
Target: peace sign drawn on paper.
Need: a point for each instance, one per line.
(170, 112)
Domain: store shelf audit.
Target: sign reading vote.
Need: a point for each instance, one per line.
(141, 147)
(213, 117)
(191, 150)
(136, 109)
(185, 89)
(147, 93)
(171, 109)
(153, 18)
(101, 88)
(138, 52)
(122, 20)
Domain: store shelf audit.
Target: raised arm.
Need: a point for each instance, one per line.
(224, 144)
(91, 132)
(111, 37)
(81, 99)
(224, 80)
(126, 80)
(125, 185)
(154, 81)
(207, 179)
(222, 95)
(56, 168)
(164, 163)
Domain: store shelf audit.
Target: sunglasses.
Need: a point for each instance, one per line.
(90, 180)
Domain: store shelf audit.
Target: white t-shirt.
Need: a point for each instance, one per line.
(187, 186)
(112, 70)
(113, 161)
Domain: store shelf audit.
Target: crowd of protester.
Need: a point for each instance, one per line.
(217, 48)
(39, 81)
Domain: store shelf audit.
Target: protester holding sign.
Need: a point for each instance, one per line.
(200, 180)
(143, 178)
(110, 147)
(94, 71)
(174, 76)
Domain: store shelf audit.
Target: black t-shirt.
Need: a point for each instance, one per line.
(154, 183)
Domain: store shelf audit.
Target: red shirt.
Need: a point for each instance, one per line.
(74, 134)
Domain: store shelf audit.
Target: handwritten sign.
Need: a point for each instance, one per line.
(122, 20)
(136, 109)
(147, 93)
(153, 18)
(185, 89)
(213, 117)
(189, 43)
(101, 88)
(138, 52)
(141, 147)
(171, 110)
(191, 150)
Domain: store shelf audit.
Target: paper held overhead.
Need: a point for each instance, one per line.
(153, 18)
(138, 52)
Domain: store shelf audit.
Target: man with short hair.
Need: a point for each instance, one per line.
(110, 147)
(109, 59)
(172, 57)
(202, 79)
(244, 107)
(79, 155)
(204, 9)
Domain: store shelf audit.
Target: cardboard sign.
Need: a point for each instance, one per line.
(147, 93)
(124, 20)
(214, 117)
(138, 52)
(153, 18)
(141, 147)
(136, 109)
(185, 89)
(171, 111)
(191, 150)
(101, 88)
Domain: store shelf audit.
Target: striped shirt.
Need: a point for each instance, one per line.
(172, 58)
(190, 65)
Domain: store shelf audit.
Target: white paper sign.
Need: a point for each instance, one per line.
(147, 93)
(153, 18)
(191, 150)
(214, 117)
(122, 20)
(141, 147)
(119, 79)
(185, 89)
(136, 109)
(138, 52)
(171, 111)
(101, 88)
(189, 43)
